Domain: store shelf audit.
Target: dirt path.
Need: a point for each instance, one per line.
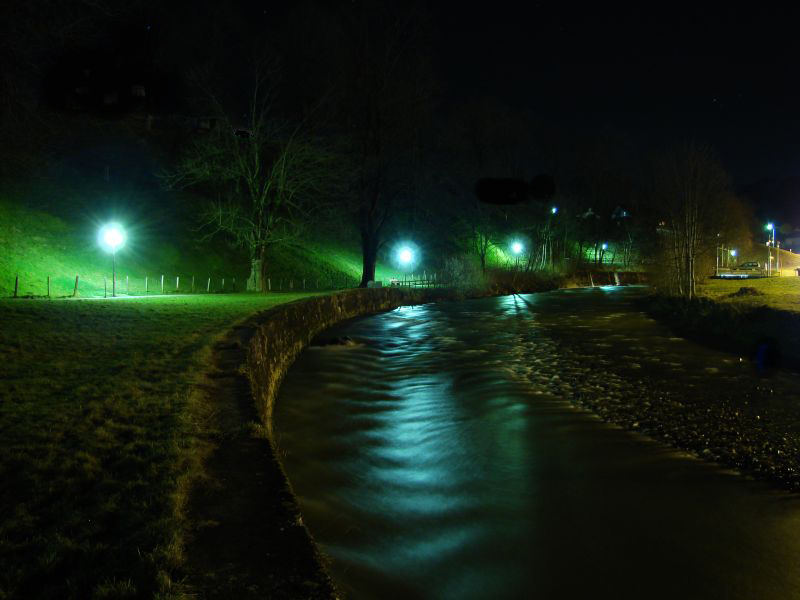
(247, 538)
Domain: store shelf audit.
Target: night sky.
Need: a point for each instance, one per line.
(655, 74)
(647, 76)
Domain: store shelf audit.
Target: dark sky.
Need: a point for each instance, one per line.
(659, 73)
(653, 74)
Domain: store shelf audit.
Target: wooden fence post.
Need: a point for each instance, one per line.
(223, 284)
(162, 284)
(146, 287)
(75, 291)
(177, 283)
(208, 286)
(16, 285)
(304, 285)
(269, 285)
(48, 286)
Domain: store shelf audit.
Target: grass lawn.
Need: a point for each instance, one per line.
(781, 293)
(96, 431)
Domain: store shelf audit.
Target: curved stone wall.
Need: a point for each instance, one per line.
(278, 339)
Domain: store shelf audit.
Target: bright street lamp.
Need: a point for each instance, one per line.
(517, 247)
(771, 227)
(405, 255)
(112, 238)
(554, 210)
(733, 252)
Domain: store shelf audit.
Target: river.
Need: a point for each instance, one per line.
(438, 457)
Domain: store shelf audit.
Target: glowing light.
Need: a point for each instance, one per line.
(604, 246)
(733, 252)
(770, 226)
(554, 210)
(516, 247)
(112, 237)
(405, 255)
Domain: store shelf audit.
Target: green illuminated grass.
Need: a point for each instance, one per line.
(35, 245)
(781, 293)
(328, 263)
(96, 429)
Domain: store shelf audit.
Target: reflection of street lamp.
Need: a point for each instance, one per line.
(112, 238)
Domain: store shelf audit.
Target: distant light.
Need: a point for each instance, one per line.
(516, 247)
(112, 237)
(605, 246)
(405, 255)
(770, 226)
(733, 252)
(554, 210)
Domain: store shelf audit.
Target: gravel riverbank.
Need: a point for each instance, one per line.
(733, 414)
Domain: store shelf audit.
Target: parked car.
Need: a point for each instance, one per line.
(749, 268)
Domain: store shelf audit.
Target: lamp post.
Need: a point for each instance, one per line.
(771, 228)
(112, 238)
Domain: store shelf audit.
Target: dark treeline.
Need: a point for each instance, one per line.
(335, 119)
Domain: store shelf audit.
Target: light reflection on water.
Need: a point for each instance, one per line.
(439, 460)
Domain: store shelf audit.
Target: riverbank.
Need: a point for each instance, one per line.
(750, 430)
(741, 321)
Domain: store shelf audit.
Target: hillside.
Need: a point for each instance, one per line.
(35, 245)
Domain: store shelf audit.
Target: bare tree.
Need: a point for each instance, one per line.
(692, 190)
(264, 177)
(484, 138)
(384, 86)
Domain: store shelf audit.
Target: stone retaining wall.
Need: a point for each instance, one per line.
(279, 339)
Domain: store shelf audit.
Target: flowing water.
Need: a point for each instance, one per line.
(438, 458)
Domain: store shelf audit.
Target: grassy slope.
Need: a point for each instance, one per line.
(35, 245)
(96, 435)
(782, 293)
(322, 263)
